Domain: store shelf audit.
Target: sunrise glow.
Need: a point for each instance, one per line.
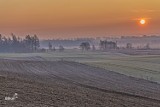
(78, 18)
(142, 21)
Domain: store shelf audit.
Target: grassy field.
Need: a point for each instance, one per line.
(140, 66)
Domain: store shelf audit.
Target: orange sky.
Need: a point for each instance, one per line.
(79, 18)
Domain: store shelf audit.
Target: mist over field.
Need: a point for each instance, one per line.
(137, 42)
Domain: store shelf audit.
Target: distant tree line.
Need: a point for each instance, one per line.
(103, 45)
(53, 49)
(17, 44)
(85, 46)
(67, 42)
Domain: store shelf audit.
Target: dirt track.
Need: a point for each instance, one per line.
(63, 83)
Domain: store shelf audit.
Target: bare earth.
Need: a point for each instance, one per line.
(71, 84)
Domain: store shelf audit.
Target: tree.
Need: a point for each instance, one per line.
(36, 43)
(0, 38)
(129, 46)
(49, 46)
(93, 48)
(85, 46)
(17, 44)
(147, 46)
(104, 45)
(54, 49)
(28, 43)
(61, 48)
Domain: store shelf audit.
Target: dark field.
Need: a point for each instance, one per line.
(71, 84)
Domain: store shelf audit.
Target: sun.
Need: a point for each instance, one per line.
(142, 21)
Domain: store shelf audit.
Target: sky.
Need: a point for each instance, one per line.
(79, 18)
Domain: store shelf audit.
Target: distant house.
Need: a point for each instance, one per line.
(105, 45)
